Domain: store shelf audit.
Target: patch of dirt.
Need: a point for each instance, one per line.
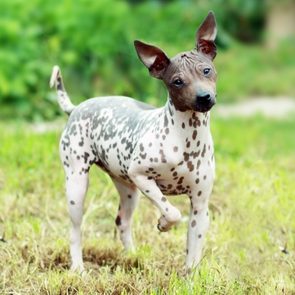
(112, 258)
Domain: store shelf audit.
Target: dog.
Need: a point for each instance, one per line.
(157, 151)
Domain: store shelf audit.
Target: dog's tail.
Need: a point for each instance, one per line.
(62, 96)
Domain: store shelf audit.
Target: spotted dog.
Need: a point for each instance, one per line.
(158, 151)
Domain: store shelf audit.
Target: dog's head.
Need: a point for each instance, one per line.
(190, 76)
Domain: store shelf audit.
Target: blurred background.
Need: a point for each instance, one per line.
(92, 41)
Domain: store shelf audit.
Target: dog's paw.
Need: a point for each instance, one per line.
(77, 268)
(164, 225)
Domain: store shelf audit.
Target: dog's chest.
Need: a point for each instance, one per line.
(179, 155)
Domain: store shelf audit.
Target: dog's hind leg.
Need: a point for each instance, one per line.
(128, 201)
(76, 189)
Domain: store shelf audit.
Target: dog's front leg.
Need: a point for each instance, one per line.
(170, 214)
(197, 228)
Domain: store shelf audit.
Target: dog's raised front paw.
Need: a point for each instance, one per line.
(164, 225)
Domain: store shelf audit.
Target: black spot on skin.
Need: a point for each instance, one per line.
(183, 125)
(165, 121)
(143, 156)
(150, 144)
(81, 143)
(150, 177)
(203, 151)
(66, 164)
(188, 144)
(199, 193)
(141, 147)
(163, 137)
(186, 156)
(199, 236)
(129, 196)
(163, 199)
(205, 176)
(167, 130)
(195, 212)
(86, 156)
(190, 166)
(147, 191)
(198, 143)
(197, 180)
(175, 149)
(180, 180)
(174, 173)
(193, 224)
(72, 202)
(194, 135)
(118, 220)
(163, 158)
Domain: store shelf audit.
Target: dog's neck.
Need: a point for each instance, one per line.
(187, 120)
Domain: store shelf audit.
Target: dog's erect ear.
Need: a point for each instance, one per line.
(206, 35)
(153, 58)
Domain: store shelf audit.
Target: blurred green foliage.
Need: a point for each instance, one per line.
(92, 41)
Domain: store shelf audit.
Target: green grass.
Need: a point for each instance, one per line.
(252, 220)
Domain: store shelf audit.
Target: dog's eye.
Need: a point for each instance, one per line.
(178, 83)
(206, 71)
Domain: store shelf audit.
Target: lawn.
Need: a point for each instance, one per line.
(249, 248)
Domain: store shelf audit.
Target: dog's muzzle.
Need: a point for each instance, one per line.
(204, 102)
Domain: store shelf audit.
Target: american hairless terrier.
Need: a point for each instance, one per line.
(158, 151)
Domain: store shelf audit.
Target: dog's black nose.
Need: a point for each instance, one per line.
(204, 98)
(204, 102)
